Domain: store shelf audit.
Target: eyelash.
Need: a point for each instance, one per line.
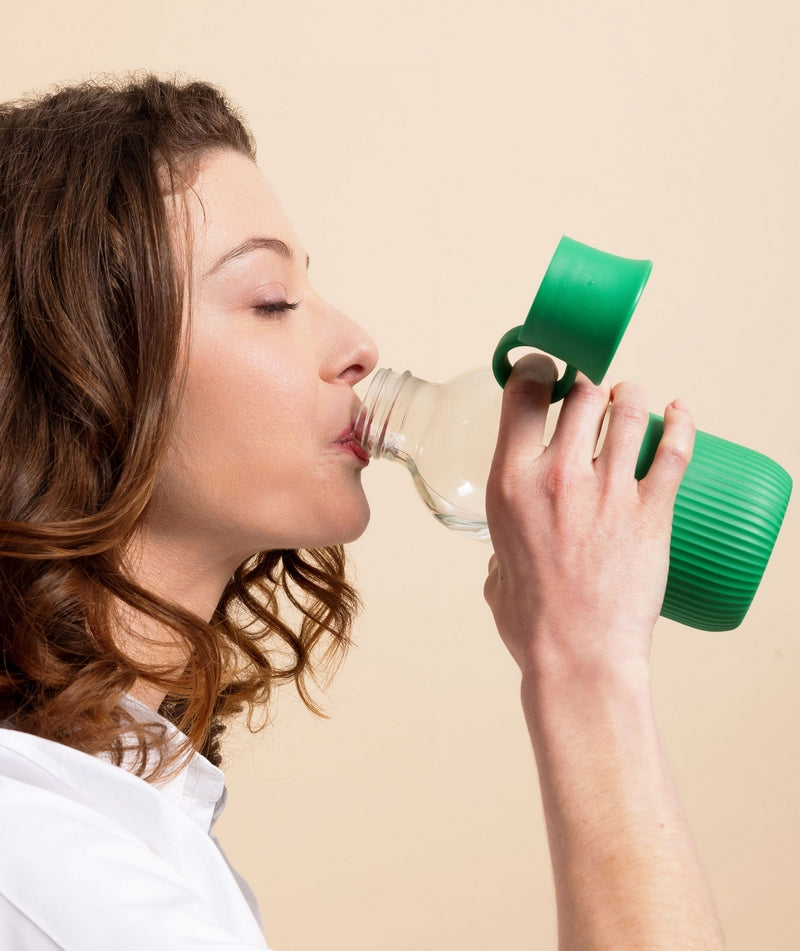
(276, 307)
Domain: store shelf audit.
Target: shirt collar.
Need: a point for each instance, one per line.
(198, 788)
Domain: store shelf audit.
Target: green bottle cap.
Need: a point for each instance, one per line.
(580, 312)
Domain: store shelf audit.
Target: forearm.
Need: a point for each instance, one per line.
(626, 871)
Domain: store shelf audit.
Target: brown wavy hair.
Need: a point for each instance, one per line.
(91, 303)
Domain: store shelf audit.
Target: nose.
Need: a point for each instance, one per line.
(351, 353)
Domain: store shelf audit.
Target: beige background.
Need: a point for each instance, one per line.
(431, 154)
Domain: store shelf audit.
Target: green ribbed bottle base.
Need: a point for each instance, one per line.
(728, 512)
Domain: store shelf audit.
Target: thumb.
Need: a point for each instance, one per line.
(526, 401)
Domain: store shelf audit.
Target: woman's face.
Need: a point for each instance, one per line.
(263, 455)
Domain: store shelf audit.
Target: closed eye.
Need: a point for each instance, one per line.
(276, 307)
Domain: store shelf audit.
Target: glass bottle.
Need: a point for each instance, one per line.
(444, 434)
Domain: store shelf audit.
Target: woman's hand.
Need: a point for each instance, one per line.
(581, 547)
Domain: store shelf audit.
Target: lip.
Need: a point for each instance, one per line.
(348, 441)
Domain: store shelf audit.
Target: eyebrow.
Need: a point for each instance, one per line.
(248, 247)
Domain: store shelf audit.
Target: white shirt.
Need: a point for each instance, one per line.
(93, 858)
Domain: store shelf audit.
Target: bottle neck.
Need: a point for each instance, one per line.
(390, 413)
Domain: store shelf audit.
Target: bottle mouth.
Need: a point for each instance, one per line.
(371, 423)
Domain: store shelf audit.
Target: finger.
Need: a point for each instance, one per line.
(526, 401)
(627, 423)
(672, 457)
(581, 419)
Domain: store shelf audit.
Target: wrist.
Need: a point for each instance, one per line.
(599, 664)
(593, 702)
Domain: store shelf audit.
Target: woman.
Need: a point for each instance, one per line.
(179, 472)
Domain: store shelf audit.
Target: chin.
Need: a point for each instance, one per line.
(347, 528)
(350, 531)
(357, 533)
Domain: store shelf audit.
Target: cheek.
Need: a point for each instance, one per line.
(242, 399)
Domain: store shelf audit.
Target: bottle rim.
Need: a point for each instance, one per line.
(376, 407)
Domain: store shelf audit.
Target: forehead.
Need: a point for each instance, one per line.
(230, 202)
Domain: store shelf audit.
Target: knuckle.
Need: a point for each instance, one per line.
(504, 486)
(629, 401)
(488, 590)
(676, 452)
(583, 389)
(633, 414)
(556, 482)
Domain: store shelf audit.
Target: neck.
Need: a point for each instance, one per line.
(179, 575)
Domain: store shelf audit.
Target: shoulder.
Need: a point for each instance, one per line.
(94, 857)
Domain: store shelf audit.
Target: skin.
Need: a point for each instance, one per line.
(262, 458)
(575, 584)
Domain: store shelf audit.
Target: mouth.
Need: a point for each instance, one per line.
(350, 443)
